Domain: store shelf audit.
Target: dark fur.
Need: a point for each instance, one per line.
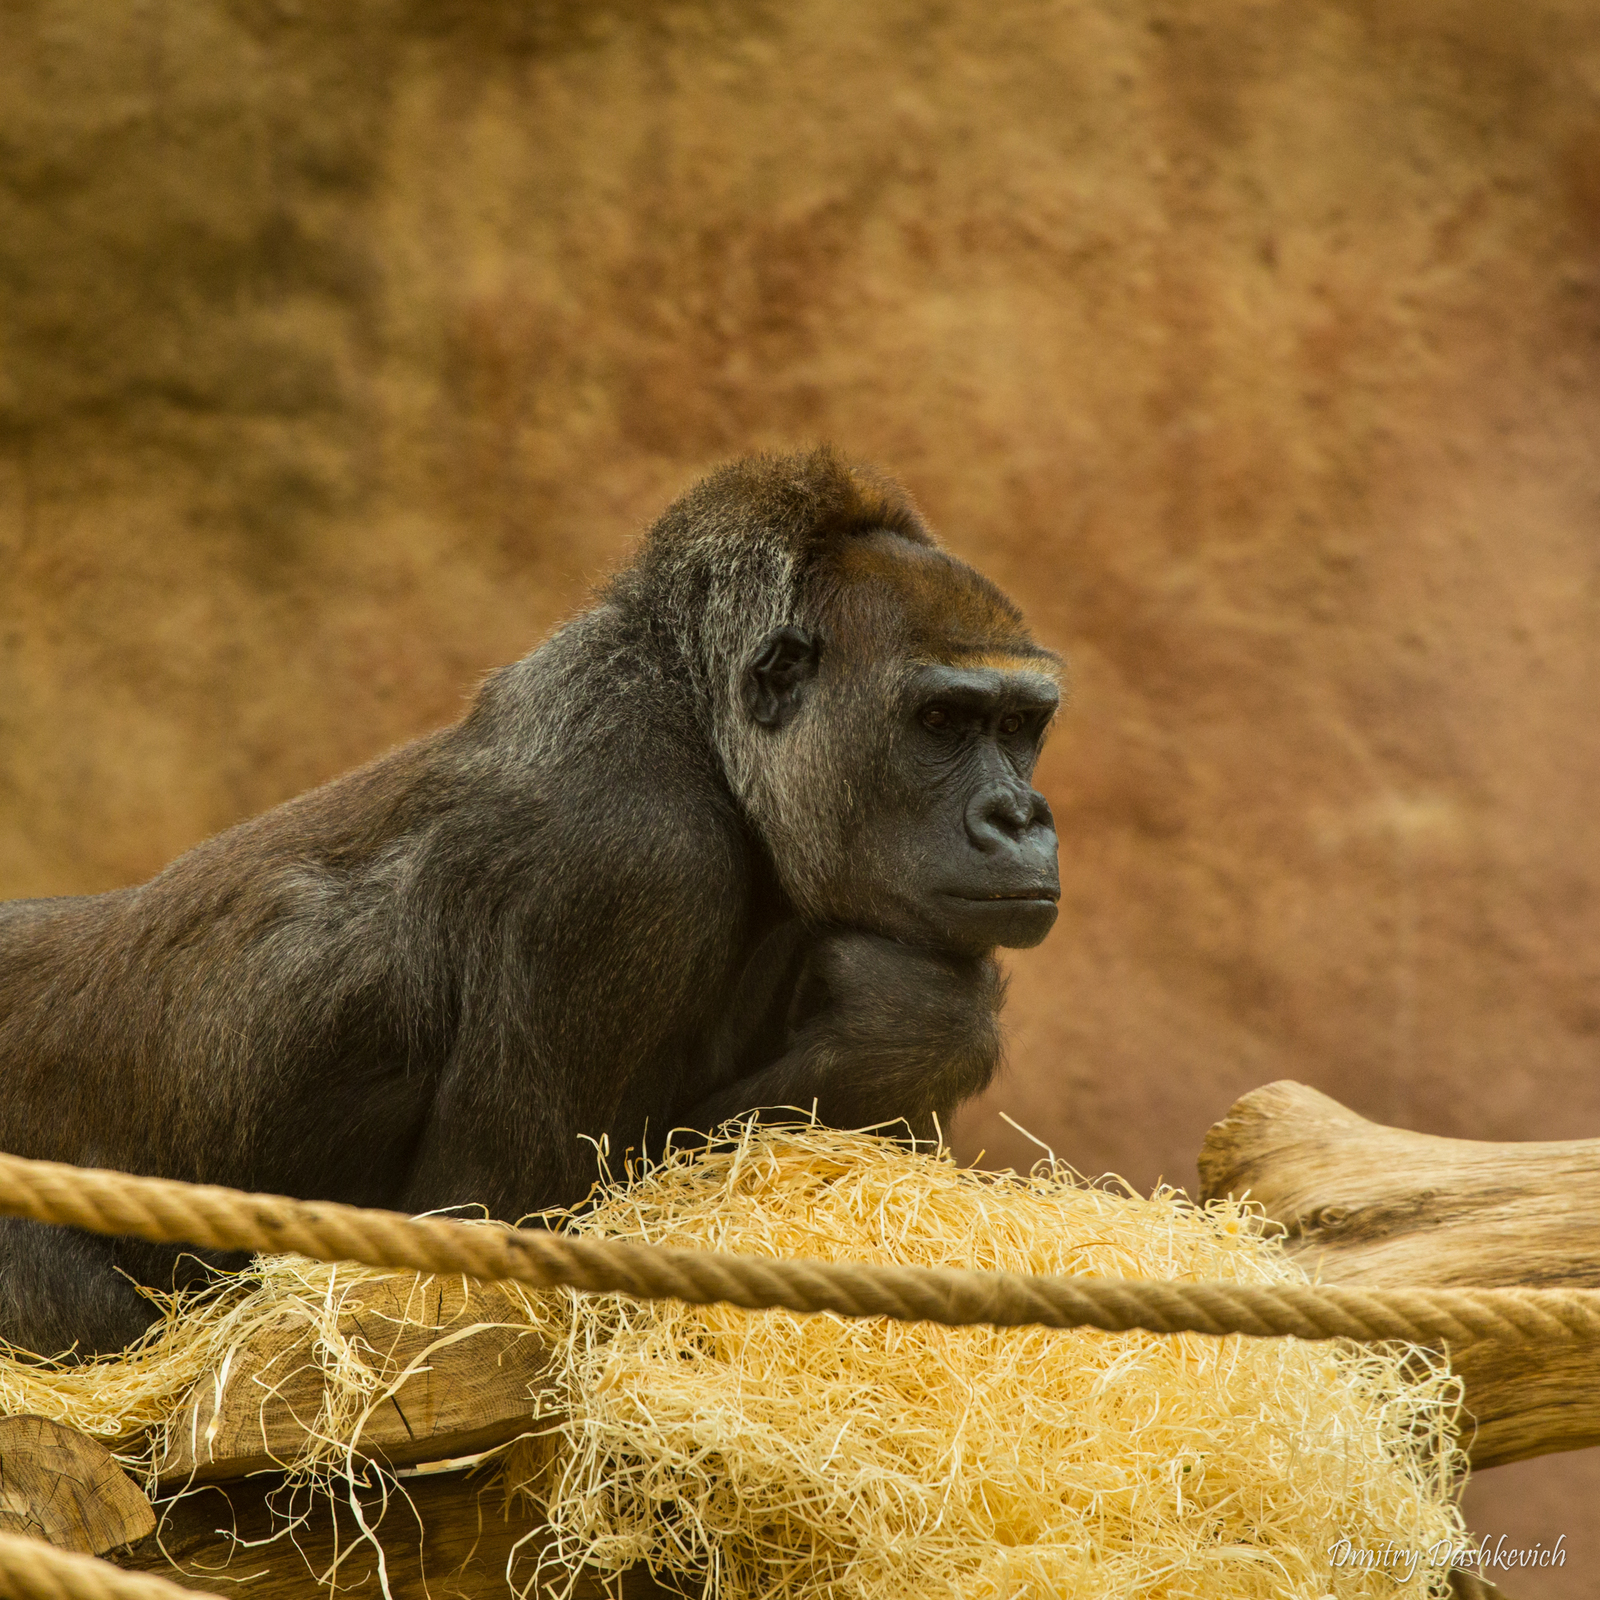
(600, 901)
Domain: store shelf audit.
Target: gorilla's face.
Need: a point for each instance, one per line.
(910, 808)
(969, 852)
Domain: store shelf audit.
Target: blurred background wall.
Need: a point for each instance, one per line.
(1254, 346)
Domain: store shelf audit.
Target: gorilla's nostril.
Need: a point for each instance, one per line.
(1010, 814)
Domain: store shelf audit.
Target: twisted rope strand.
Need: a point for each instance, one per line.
(30, 1569)
(167, 1212)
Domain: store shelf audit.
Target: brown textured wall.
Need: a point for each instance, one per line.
(1255, 346)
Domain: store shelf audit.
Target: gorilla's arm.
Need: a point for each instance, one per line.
(872, 1031)
(590, 992)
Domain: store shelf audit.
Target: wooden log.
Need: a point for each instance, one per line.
(453, 1536)
(59, 1484)
(470, 1390)
(1364, 1204)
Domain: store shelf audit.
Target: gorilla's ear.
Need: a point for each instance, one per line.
(784, 663)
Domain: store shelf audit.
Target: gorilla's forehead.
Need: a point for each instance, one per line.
(930, 605)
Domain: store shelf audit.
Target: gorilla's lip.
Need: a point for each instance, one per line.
(1051, 895)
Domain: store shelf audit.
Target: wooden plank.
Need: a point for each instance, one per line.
(1366, 1204)
(451, 1541)
(466, 1396)
(60, 1485)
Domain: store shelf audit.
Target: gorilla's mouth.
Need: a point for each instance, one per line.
(1015, 917)
(1011, 894)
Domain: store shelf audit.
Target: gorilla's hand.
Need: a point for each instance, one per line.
(874, 1032)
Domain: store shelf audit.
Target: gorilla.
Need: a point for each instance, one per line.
(744, 835)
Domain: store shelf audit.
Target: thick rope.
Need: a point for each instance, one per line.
(30, 1569)
(181, 1213)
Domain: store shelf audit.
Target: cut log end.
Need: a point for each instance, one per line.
(62, 1486)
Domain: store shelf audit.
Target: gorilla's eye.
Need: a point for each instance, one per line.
(1011, 723)
(936, 717)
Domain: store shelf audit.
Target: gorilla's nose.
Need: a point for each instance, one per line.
(1002, 816)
